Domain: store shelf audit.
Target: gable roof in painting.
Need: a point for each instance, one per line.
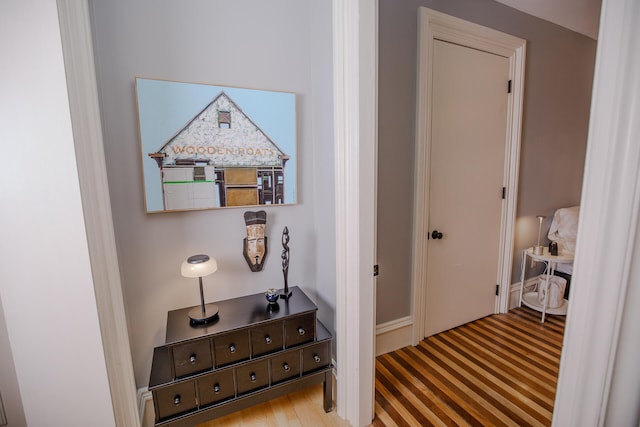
(206, 138)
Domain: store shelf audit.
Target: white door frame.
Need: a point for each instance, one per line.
(355, 121)
(435, 25)
(75, 31)
(598, 379)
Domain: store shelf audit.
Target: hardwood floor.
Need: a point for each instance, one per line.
(501, 370)
(299, 409)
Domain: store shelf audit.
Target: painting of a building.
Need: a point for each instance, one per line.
(220, 158)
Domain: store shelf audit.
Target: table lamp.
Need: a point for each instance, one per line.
(539, 250)
(200, 266)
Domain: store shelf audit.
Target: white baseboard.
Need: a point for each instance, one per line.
(145, 407)
(393, 335)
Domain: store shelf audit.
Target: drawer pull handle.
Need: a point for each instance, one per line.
(232, 348)
(316, 358)
(301, 330)
(286, 367)
(176, 399)
(192, 359)
(253, 377)
(268, 339)
(216, 388)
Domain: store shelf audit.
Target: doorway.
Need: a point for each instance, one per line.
(447, 269)
(469, 112)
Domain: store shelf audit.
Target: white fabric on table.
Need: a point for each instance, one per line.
(564, 230)
(552, 291)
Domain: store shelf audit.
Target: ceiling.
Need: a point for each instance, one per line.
(582, 16)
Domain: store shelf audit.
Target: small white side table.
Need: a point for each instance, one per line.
(530, 299)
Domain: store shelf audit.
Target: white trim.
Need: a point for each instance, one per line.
(87, 133)
(607, 234)
(355, 97)
(393, 325)
(144, 398)
(436, 25)
(393, 335)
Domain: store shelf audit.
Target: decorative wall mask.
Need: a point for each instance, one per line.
(255, 244)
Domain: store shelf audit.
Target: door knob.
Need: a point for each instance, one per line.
(435, 234)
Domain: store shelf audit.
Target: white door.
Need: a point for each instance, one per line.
(466, 177)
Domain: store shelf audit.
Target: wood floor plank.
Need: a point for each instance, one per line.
(382, 419)
(445, 394)
(498, 371)
(395, 405)
(551, 335)
(448, 415)
(433, 414)
(482, 392)
(520, 362)
(473, 401)
(517, 343)
(517, 362)
(503, 371)
(483, 375)
(526, 353)
(303, 408)
(545, 342)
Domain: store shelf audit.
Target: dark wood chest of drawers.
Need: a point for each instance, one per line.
(252, 353)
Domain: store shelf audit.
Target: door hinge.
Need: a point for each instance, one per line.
(504, 192)
(497, 290)
(376, 270)
(509, 86)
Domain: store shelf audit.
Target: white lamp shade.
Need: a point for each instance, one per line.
(199, 266)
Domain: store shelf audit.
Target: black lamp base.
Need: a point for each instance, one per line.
(197, 316)
(285, 294)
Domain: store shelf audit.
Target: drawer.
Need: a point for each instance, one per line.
(316, 357)
(252, 376)
(231, 347)
(192, 357)
(299, 329)
(216, 387)
(285, 366)
(266, 338)
(174, 399)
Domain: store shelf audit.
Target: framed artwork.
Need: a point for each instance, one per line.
(208, 147)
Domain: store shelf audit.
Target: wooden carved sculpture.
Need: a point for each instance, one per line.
(286, 293)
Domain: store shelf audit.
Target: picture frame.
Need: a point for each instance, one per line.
(207, 147)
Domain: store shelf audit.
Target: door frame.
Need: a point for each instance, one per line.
(355, 29)
(435, 25)
(76, 38)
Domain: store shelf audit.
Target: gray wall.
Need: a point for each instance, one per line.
(559, 73)
(282, 45)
